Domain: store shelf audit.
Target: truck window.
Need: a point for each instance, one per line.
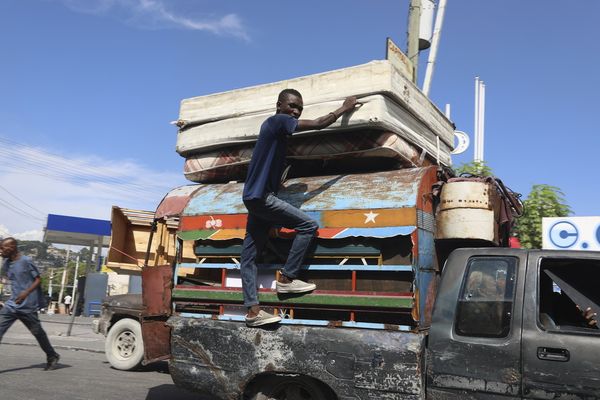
(486, 299)
(565, 287)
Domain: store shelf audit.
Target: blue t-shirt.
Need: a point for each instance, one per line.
(268, 156)
(22, 273)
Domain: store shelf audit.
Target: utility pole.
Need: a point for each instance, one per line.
(479, 121)
(62, 285)
(414, 16)
(437, 32)
(75, 277)
(50, 283)
(64, 275)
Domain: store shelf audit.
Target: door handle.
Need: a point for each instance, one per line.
(552, 354)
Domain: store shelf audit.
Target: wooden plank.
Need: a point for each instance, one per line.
(317, 298)
(312, 267)
(309, 322)
(211, 249)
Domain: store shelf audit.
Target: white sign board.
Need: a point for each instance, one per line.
(571, 233)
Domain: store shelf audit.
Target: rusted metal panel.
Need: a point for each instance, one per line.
(220, 358)
(389, 189)
(382, 204)
(156, 294)
(175, 201)
(157, 339)
(156, 290)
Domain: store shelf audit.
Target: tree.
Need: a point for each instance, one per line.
(479, 168)
(543, 201)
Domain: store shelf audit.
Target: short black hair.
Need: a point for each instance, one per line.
(9, 240)
(285, 92)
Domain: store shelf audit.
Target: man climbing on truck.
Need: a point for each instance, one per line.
(265, 210)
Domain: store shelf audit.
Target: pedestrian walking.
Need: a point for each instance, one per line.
(67, 301)
(26, 298)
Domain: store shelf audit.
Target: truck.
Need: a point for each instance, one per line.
(499, 323)
(417, 295)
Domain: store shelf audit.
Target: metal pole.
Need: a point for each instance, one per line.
(62, 285)
(99, 254)
(75, 280)
(476, 122)
(482, 120)
(72, 315)
(414, 16)
(437, 32)
(88, 261)
(64, 275)
(50, 284)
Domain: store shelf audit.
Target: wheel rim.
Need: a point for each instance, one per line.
(125, 344)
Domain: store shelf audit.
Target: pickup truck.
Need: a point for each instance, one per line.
(396, 317)
(501, 328)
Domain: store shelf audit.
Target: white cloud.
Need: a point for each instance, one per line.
(154, 14)
(34, 183)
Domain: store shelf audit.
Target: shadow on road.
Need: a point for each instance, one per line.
(172, 392)
(34, 366)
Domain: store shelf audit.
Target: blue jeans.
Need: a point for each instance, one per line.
(32, 322)
(262, 215)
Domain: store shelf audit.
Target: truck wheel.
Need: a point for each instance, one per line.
(297, 388)
(124, 346)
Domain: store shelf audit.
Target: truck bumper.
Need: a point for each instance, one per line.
(223, 357)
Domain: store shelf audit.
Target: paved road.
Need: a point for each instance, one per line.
(56, 326)
(81, 375)
(83, 371)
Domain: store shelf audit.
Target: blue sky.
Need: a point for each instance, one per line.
(88, 88)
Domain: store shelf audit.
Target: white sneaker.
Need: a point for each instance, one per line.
(295, 286)
(263, 318)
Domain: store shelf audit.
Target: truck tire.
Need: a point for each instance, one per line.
(124, 345)
(290, 388)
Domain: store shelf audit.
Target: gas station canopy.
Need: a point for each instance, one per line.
(77, 231)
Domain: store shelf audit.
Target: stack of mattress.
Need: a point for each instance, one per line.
(396, 120)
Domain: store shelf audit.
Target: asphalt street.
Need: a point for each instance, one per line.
(82, 373)
(56, 326)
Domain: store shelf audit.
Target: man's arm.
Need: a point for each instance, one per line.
(23, 295)
(323, 122)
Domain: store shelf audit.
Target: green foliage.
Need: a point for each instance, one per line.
(479, 168)
(543, 201)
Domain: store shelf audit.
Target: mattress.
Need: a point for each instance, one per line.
(391, 100)
(378, 112)
(231, 163)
